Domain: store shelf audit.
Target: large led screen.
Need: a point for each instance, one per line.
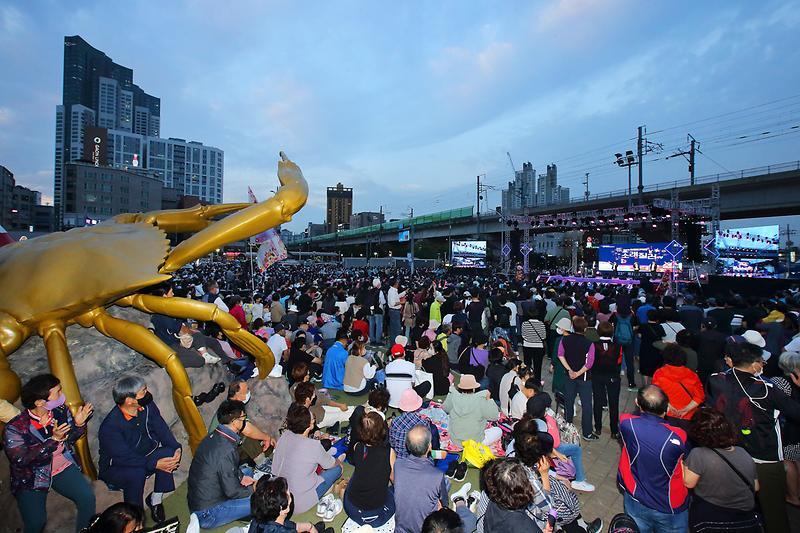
(637, 258)
(469, 254)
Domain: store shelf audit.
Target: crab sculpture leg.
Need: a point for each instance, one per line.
(247, 220)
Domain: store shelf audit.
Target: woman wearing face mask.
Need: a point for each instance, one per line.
(39, 443)
(136, 443)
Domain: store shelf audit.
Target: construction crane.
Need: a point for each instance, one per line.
(513, 168)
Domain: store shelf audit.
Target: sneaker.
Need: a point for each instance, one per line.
(583, 486)
(451, 469)
(595, 526)
(156, 509)
(194, 524)
(333, 509)
(255, 373)
(615, 436)
(461, 472)
(591, 436)
(324, 503)
(461, 493)
(210, 359)
(472, 501)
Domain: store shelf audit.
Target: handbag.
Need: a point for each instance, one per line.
(475, 453)
(565, 469)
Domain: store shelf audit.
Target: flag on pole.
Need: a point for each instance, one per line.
(272, 248)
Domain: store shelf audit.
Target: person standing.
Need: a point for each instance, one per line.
(534, 340)
(606, 379)
(753, 405)
(394, 305)
(650, 473)
(576, 354)
(40, 445)
(722, 476)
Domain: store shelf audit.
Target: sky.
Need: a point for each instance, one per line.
(407, 102)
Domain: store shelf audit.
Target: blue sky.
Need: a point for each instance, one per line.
(408, 101)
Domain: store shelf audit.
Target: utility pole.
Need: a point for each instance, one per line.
(789, 244)
(639, 148)
(411, 238)
(692, 147)
(586, 186)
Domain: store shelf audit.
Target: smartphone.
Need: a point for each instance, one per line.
(551, 518)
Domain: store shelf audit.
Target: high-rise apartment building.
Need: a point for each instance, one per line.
(522, 191)
(550, 192)
(106, 119)
(340, 207)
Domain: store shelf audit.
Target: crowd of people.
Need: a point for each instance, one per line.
(495, 370)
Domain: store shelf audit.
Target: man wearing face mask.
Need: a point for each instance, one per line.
(218, 491)
(254, 441)
(753, 405)
(39, 444)
(135, 443)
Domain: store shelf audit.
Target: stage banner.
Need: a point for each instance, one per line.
(272, 248)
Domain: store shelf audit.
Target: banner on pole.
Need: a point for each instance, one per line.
(272, 248)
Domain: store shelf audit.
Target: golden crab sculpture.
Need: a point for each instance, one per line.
(71, 277)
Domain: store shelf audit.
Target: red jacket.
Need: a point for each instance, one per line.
(681, 386)
(238, 313)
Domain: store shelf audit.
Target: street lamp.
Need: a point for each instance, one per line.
(627, 160)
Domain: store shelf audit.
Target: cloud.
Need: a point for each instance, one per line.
(6, 116)
(12, 21)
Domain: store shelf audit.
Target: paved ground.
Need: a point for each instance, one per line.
(600, 461)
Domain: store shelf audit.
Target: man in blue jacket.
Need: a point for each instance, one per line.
(135, 443)
(335, 359)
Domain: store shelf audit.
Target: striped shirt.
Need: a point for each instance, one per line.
(534, 333)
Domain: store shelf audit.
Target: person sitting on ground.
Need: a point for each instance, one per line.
(454, 342)
(333, 368)
(681, 385)
(410, 404)
(530, 388)
(422, 352)
(326, 411)
(122, 517)
(439, 367)
(300, 352)
(368, 498)
(510, 494)
(495, 371)
(297, 458)
(135, 443)
(539, 408)
(469, 411)
(359, 375)
(446, 520)
(717, 470)
(650, 473)
(420, 487)
(218, 492)
(254, 441)
(401, 375)
(40, 445)
(194, 349)
(271, 506)
(280, 348)
(377, 402)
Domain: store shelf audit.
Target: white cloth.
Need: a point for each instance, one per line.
(519, 404)
(671, 330)
(393, 298)
(333, 415)
(277, 343)
(219, 303)
(257, 310)
(513, 307)
(505, 385)
(396, 386)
